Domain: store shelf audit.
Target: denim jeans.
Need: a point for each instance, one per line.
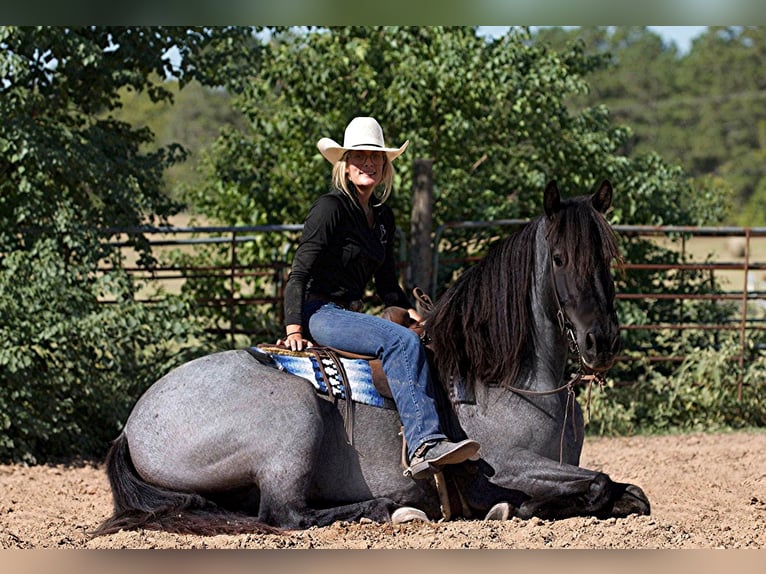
(403, 360)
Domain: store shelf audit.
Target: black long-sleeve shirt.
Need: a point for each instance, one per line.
(339, 253)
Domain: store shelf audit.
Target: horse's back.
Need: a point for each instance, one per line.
(207, 423)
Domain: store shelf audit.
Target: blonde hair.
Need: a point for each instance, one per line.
(340, 181)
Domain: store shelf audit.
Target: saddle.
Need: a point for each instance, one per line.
(331, 366)
(339, 374)
(334, 373)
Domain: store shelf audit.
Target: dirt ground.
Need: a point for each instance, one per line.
(707, 491)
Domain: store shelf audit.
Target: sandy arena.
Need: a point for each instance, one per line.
(707, 491)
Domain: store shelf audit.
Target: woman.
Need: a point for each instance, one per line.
(348, 239)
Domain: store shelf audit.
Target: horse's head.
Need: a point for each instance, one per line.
(581, 248)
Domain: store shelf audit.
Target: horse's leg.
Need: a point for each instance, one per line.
(287, 465)
(284, 500)
(601, 497)
(538, 486)
(284, 503)
(377, 510)
(561, 491)
(628, 499)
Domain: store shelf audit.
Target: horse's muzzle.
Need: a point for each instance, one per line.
(598, 350)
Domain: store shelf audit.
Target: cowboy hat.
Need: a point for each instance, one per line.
(361, 134)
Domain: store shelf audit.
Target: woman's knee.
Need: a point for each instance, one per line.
(406, 340)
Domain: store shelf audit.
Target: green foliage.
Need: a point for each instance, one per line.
(490, 114)
(69, 364)
(193, 120)
(702, 110)
(60, 148)
(495, 116)
(71, 367)
(700, 395)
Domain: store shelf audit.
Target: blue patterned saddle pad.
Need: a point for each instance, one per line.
(325, 371)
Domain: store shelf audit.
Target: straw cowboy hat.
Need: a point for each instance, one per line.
(361, 134)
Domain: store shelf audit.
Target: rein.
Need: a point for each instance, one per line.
(588, 378)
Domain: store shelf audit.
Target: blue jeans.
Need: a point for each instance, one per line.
(403, 360)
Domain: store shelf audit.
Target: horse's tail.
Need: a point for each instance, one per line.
(138, 504)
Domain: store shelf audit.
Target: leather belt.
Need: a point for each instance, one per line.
(355, 305)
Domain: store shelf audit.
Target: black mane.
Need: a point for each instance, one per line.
(479, 327)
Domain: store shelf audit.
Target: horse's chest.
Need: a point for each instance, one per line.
(535, 423)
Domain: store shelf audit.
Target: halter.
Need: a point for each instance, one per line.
(584, 373)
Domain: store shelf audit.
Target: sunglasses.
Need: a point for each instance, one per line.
(360, 157)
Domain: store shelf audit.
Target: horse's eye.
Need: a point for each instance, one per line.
(558, 261)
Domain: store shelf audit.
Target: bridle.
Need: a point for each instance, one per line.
(584, 374)
(567, 328)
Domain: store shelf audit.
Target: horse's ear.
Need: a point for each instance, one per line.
(602, 199)
(551, 199)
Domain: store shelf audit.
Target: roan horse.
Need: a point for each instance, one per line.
(224, 443)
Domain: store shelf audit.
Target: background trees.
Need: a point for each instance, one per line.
(703, 111)
(498, 118)
(71, 366)
(495, 116)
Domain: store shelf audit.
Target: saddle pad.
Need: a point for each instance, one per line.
(325, 377)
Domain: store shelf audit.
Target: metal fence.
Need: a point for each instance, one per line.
(733, 257)
(234, 276)
(739, 267)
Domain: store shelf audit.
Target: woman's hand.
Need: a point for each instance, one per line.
(417, 323)
(294, 339)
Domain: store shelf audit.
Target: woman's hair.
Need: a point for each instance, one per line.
(340, 181)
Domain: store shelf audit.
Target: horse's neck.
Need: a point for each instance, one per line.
(548, 347)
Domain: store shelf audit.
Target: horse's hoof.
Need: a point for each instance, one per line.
(631, 500)
(501, 511)
(408, 514)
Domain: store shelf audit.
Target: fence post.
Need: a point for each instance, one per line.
(743, 324)
(421, 225)
(232, 287)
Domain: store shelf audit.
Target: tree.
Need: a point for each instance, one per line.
(193, 119)
(62, 151)
(69, 170)
(496, 117)
(724, 72)
(702, 111)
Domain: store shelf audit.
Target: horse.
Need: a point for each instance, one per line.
(226, 443)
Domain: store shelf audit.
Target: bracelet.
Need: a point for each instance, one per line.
(293, 333)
